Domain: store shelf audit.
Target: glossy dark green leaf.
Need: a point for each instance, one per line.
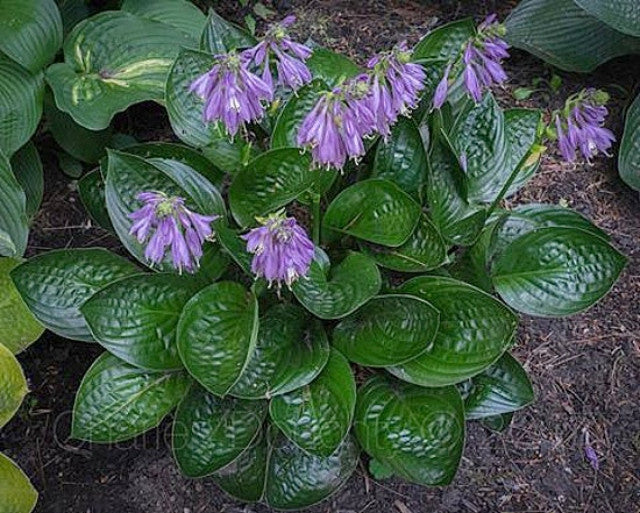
(556, 271)
(331, 67)
(236, 247)
(72, 12)
(456, 220)
(21, 95)
(402, 159)
(285, 131)
(30, 32)
(55, 284)
(17, 492)
(424, 250)
(332, 292)
(180, 14)
(210, 432)
(374, 210)
(446, 41)
(317, 417)
(185, 111)
(217, 335)
(472, 265)
(220, 36)
(244, 478)
(128, 175)
(111, 61)
(629, 155)
(18, 327)
(27, 168)
(497, 423)
(502, 388)
(475, 329)
(290, 352)
(478, 136)
(622, 15)
(297, 479)
(388, 330)
(13, 211)
(117, 401)
(91, 189)
(13, 385)
(565, 35)
(135, 318)
(521, 128)
(270, 181)
(415, 431)
(70, 166)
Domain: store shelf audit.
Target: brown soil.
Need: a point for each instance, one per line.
(585, 369)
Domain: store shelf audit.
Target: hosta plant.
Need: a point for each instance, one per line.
(324, 267)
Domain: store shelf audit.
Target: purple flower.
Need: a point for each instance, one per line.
(442, 90)
(482, 58)
(584, 116)
(333, 131)
(164, 223)
(282, 250)
(232, 93)
(289, 56)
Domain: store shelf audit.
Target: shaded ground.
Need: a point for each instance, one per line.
(585, 369)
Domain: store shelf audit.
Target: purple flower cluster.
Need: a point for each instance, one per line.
(164, 222)
(580, 126)
(362, 106)
(235, 95)
(289, 56)
(482, 60)
(282, 250)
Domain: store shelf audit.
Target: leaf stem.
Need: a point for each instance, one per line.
(508, 184)
(315, 213)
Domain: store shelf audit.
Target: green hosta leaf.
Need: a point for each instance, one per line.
(379, 471)
(271, 181)
(217, 335)
(210, 432)
(374, 210)
(17, 492)
(297, 479)
(185, 111)
(332, 292)
(521, 127)
(235, 246)
(117, 401)
(184, 154)
(27, 169)
(402, 160)
(91, 189)
(417, 432)
(502, 388)
(129, 175)
(424, 250)
(72, 12)
(479, 136)
(622, 15)
(331, 67)
(532, 216)
(497, 423)
(180, 14)
(285, 131)
(244, 477)
(472, 266)
(135, 318)
(291, 351)
(629, 155)
(13, 211)
(388, 330)
(566, 36)
(18, 327)
(318, 416)
(220, 36)
(55, 284)
(13, 385)
(457, 221)
(113, 60)
(475, 329)
(556, 271)
(445, 42)
(21, 95)
(30, 32)
(70, 166)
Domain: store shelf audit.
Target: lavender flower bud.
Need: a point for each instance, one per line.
(442, 90)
